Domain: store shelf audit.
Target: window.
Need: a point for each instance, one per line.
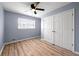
(26, 23)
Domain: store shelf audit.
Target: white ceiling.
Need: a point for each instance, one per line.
(24, 7)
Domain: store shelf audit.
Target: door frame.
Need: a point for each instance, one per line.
(73, 30)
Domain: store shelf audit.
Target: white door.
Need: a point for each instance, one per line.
(68, 27)
(48, 29)
(58, 30)
(45, 28)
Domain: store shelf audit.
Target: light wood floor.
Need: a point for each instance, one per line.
(35, 47)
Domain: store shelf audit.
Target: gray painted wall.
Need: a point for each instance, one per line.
(74, 5)
(1, 27)
(11, 27)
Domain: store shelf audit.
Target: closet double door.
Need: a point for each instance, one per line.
(64, 29)
(59, 29)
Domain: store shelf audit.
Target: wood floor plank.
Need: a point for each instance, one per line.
(5, 51)
(48, 50)
(39, 48)
(11, 49)
(35, 47)
(19, 48)
(54, 49)
(16, 52)
(60, 50)
(32, 50)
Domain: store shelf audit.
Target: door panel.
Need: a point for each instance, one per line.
(47, 29)
(58, 30)
(67, 29)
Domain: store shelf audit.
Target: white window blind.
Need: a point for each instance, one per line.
(26, 23)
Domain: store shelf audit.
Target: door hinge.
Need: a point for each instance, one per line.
(72, 14)
(72, 29)
(72, 44)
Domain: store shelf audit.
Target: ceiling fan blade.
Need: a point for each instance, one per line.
(33, 6)
(37, 3)
(40, 9)
(35, 12)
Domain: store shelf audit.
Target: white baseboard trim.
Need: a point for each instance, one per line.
(42, 39)
(21, 40)
(2, 49)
